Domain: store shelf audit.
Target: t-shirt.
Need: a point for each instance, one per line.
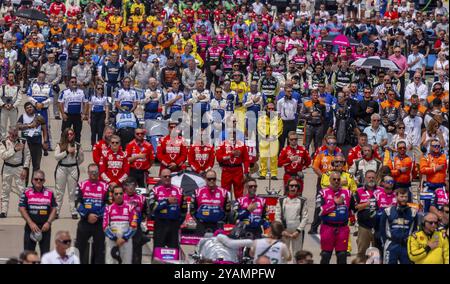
(277, 253)
(33, 135)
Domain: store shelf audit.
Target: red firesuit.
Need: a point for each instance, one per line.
(100, 149)
(231, 157)
(291, 167)
(139, 167)
(172, 150)
(114, 167)
(201, 158)
(145, 148)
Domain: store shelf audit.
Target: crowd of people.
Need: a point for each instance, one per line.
(254, 88)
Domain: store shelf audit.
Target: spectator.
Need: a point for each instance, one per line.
(59, 254)
(272, 247)
(29, 257)
(304, 257)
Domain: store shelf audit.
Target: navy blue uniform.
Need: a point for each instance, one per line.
(397, 224)
(112, 74)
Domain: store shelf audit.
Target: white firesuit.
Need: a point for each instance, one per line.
(14, 163)
(67, 173)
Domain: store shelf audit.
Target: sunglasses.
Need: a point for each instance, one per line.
(118, 193)
(211, 179)
(293, 139)
(252, 186)
(336, 179)
(66, 242)
(375, 120)
(436, 146)
(100, 89)
(438, 89)
(332, 143)
(115, 143)
(168, 176)
(38, 179)
(432, 222)
(401, 148)
(390, 182)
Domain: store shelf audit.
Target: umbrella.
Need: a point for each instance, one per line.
(32, 14)
(341, 40)
(188, 181)
(375, 62)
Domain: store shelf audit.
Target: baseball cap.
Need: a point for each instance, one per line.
(115, 254)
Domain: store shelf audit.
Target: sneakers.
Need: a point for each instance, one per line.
(75, 216)
(274, 178)
(312, 232)
(45, 153)
(57, 117)
(2, 215)
(262, 177)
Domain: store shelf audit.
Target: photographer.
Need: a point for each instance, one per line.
(34, 129)
(365, 108)
(344, 125)
(391, 111)
(16, 155)
(313, 111)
